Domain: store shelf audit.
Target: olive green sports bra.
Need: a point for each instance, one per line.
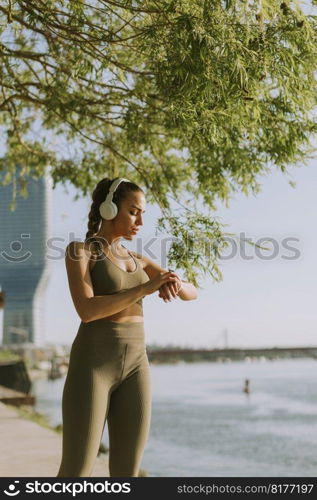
(108, 278)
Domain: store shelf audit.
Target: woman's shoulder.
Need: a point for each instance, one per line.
(76, 247)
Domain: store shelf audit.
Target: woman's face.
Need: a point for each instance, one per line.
(130, 216)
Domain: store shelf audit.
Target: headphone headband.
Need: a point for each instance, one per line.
(115, 184)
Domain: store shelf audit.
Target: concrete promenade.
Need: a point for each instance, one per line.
(29, 450)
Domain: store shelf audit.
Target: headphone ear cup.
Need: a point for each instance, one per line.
(108, 210)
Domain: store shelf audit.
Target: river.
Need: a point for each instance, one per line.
(203, 424)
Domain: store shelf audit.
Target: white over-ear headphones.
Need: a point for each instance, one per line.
(108, 210)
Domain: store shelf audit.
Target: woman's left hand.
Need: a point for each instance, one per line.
(170, 290)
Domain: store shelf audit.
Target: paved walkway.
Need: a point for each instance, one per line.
(30, 450)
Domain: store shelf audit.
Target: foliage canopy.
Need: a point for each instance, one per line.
(192, 99)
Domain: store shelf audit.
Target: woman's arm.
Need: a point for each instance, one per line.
(101, 306)
(88, 306)
(187, 291)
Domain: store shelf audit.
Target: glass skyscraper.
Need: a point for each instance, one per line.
(24, 268)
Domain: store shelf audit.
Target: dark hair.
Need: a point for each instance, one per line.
(98, 196)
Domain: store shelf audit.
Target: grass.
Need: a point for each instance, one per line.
(7, 355)
(27, 412)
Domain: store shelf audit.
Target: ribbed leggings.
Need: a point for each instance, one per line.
(108, 379)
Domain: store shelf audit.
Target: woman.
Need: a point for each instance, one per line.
(108, 376)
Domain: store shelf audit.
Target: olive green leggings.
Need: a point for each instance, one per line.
(108, 379)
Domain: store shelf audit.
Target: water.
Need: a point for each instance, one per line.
(203, 424)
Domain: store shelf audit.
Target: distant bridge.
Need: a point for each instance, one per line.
(235, 354)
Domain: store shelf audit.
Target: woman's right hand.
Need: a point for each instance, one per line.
(155, 283)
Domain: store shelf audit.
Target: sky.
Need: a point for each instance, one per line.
(260, 302)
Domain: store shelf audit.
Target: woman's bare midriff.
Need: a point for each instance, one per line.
(122, 316)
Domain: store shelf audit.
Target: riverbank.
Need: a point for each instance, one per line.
(31, 449)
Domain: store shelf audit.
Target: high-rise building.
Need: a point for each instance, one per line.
(24, 267)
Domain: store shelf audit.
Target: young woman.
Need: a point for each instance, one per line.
(108, 378)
